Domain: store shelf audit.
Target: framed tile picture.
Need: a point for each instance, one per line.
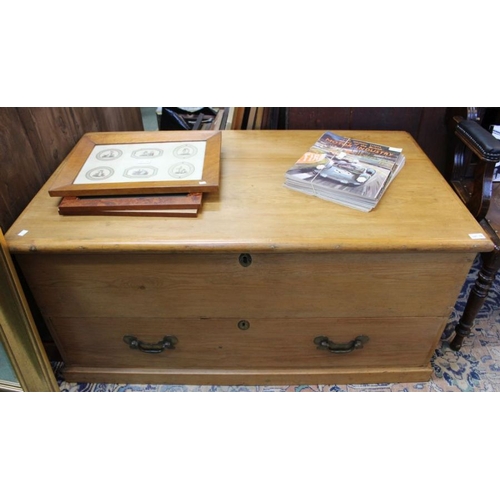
(136, 163)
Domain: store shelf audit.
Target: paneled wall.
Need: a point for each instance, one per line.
(427, 125)
(34, 141)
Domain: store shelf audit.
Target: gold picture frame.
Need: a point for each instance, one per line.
(135, 163)
(19, 334)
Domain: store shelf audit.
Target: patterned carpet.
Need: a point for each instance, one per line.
(476, 368)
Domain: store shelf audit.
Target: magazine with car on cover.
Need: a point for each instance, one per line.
(347, 171)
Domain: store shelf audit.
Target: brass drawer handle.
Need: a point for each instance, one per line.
(168, 342)
(325, 343)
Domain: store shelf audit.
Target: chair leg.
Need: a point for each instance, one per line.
(486, 276)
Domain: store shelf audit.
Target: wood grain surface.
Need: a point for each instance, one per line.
(254, 212)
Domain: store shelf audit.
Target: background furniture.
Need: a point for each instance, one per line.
(472, 164)
(426, 125)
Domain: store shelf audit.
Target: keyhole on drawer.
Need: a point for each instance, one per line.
(245, 259)
(243, 324)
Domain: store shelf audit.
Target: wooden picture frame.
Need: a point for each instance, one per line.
(114, 163)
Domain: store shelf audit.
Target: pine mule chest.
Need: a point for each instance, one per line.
(266, 286)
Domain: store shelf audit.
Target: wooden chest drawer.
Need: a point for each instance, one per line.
(272, 286)
(263, 348)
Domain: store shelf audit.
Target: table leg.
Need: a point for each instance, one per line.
(486, 276)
